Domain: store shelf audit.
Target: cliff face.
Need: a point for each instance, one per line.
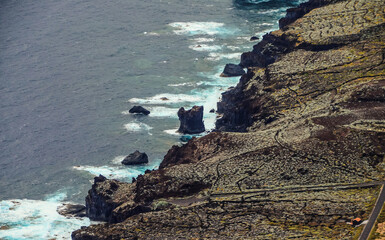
(306, 146)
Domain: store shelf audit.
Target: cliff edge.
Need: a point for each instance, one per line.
(300, 149)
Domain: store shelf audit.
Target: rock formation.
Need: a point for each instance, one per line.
(139, 110)
(232, 70)
(135, 158)
(303, 151)
(72, 210)
(191, 121)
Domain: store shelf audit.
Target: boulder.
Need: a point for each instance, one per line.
(232, 70)
(135, 158)
(191, 121)
(254, 38)
(72, 210)
(139, 110)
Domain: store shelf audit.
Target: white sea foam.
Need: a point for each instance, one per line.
(120, 172)
(189, 84)
(273, 11)
(233, 47)
(156, 111)
(199, 28)
(36, 220)
(162, 112)
(166, 98)
(265, 24)
(172, 132)
(203, 40)
(151, 33)
(205, 48)
(137, 127)
(219, 56)
(118, 159)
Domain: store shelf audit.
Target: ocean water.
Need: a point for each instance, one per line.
(71, 70)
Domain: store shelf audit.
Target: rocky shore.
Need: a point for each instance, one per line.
(299, 148)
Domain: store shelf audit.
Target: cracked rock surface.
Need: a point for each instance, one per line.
(301, 147)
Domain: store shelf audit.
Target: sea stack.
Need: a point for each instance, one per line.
(191, 121)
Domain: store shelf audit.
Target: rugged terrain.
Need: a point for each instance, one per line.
(299, 149)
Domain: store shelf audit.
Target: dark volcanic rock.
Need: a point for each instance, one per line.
(293, 14)
(266, 51)
(254, 38)
(232, 70)
(191, 121)
(72, 210)
(139, 109)
(135, 158)
(101, 199)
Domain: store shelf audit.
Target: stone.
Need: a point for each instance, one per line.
(191, 121)
(135, 158)
(232, 70)
(139, 110)
(72, 210)
(254, 38)
(104, 196)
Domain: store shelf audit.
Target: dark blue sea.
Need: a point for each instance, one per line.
(71, 70)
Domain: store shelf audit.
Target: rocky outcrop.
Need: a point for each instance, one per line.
(139, 110)
(191, 121)
(135, 158)
(304, 151)
(104, 196)
(232, 70)
(72, 210)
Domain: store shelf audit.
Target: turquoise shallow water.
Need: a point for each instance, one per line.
(70, 71)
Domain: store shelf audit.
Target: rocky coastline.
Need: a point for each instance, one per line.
(299, 148)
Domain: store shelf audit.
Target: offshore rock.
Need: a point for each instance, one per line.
(232, 70)
(135, 158)
(191, 121)
(306, 151)
(139, 110)
(72, 210)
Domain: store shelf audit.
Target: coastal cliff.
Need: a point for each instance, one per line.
(300, 146)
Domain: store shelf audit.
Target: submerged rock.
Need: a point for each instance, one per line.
(191, 121)
(232, 70)
(139, 109)
(135, 158)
